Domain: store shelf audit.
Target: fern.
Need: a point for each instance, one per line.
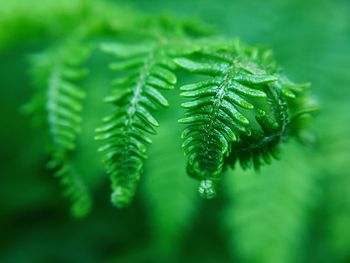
(241, 109)
(126, 132)
(238, 112)
(62, 101)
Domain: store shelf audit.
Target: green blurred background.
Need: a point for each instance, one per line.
(296, 210)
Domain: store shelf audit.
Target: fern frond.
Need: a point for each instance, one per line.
(58, 70)
(125, 133)
(283, 120)
(215, 117)
(239, 111)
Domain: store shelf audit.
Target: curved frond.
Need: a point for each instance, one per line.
(290, 111)
(125, 133)
(216, 115)
(239, 111)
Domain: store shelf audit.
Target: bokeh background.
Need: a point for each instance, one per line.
(296, 210)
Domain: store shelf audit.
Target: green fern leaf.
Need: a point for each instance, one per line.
(291, 112)
(240, 111)
(58, 70)
(215, 117)
(125, 133)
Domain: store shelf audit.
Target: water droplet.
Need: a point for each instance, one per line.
(207, 189)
